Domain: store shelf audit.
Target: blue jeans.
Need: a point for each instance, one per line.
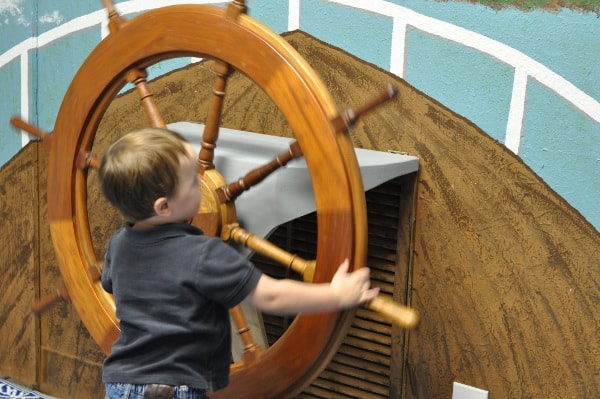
(116, 390)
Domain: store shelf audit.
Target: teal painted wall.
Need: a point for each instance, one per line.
(366, 35)
(558, 141)
(10, 79)
(454, 74)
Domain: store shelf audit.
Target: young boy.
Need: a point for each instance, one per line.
(173, 286)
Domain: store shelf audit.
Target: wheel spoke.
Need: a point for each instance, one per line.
(115, 20)
(138, 78)
(45, 138)
(349, 117)
(235, 8)
(306, 268)
(345, 120)
(251, 350)
(87, 160)
(213, 120)
(397, 314)
(252, 178)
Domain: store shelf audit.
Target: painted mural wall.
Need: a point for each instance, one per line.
(528, 77)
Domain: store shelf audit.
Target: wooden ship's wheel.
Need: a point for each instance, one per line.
(235, 42)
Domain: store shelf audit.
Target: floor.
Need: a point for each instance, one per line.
(11, 390)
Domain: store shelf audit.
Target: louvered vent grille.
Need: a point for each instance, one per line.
(361, 367)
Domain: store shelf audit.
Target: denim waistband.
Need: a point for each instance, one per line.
(136, 391)
(185, 392)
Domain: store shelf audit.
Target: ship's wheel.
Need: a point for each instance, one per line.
(234, 41)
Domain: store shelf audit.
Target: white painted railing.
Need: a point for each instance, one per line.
(524, 67)
(403, 18)
(21, 50)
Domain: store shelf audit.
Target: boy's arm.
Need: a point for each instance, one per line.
(286, 296)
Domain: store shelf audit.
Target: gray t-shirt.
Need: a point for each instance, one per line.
(173, 287)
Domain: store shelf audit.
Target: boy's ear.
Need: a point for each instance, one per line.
(161, 207)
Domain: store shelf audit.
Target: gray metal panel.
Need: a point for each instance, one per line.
(286, 194)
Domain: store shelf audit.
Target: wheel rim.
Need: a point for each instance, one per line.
(260, 54)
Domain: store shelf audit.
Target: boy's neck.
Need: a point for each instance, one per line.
(144, 224)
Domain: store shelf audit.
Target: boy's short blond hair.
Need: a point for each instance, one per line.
(139, 168)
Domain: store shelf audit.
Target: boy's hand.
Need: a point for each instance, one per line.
(352, 288)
